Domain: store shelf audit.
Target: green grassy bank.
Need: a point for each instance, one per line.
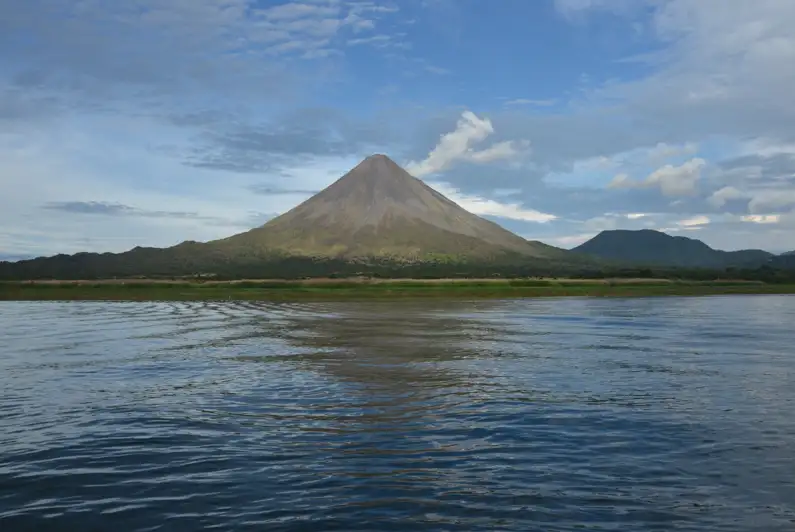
(276, 290)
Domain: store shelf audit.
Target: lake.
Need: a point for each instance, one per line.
(537, 414)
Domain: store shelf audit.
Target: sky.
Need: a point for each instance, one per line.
(151, 122)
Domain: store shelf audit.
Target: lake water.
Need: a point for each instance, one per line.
(545, 414)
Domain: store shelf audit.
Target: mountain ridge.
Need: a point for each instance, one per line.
(656, 248)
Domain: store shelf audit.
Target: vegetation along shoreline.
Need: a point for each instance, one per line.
(331, 289)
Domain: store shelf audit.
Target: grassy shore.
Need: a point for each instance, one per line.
(324, 289)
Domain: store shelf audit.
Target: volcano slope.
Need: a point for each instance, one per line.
(379, 210)
(377, 217)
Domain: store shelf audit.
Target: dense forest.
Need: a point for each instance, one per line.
(108, 266)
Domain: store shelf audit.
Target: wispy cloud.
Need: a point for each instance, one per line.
(152, 49)
(375, 39)
(312, 133)
(526, 101)
(437, 70)
(574, 8)
(489, 207)
(663, 151)
(102, 208)
(270, 190)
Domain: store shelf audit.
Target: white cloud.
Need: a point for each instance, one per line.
(635, 215)
(720, 197)
(501, 150)
(456, 146)
(760, 200)
(767, 147)
(374, 39)
(672, 180)
(627, 162)
(770, 200)
(694, 221)
(678, 180)
(488, 207)
(762, 218)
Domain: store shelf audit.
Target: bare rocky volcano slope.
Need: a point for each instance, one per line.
(380, 210)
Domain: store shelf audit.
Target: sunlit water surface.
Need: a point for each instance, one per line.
(546, 414)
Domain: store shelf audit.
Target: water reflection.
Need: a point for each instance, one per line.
(462, 415)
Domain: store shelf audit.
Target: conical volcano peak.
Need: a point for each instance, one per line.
(378, 157)
(379, 166)
(379, 209)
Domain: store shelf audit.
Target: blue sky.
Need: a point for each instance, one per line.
(157, 121)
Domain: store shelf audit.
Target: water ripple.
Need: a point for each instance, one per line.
(554, 414)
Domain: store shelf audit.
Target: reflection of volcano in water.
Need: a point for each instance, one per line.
(400, 380)
(404, 346)
(374, 391)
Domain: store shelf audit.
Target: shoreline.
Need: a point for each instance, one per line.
(367, 289)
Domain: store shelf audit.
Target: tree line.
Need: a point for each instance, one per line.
(153, 266)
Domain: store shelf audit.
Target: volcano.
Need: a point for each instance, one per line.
(376, 214)
(379, 210)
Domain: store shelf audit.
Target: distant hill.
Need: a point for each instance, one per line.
(655, 248)
(785, 260)
(376, 217)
